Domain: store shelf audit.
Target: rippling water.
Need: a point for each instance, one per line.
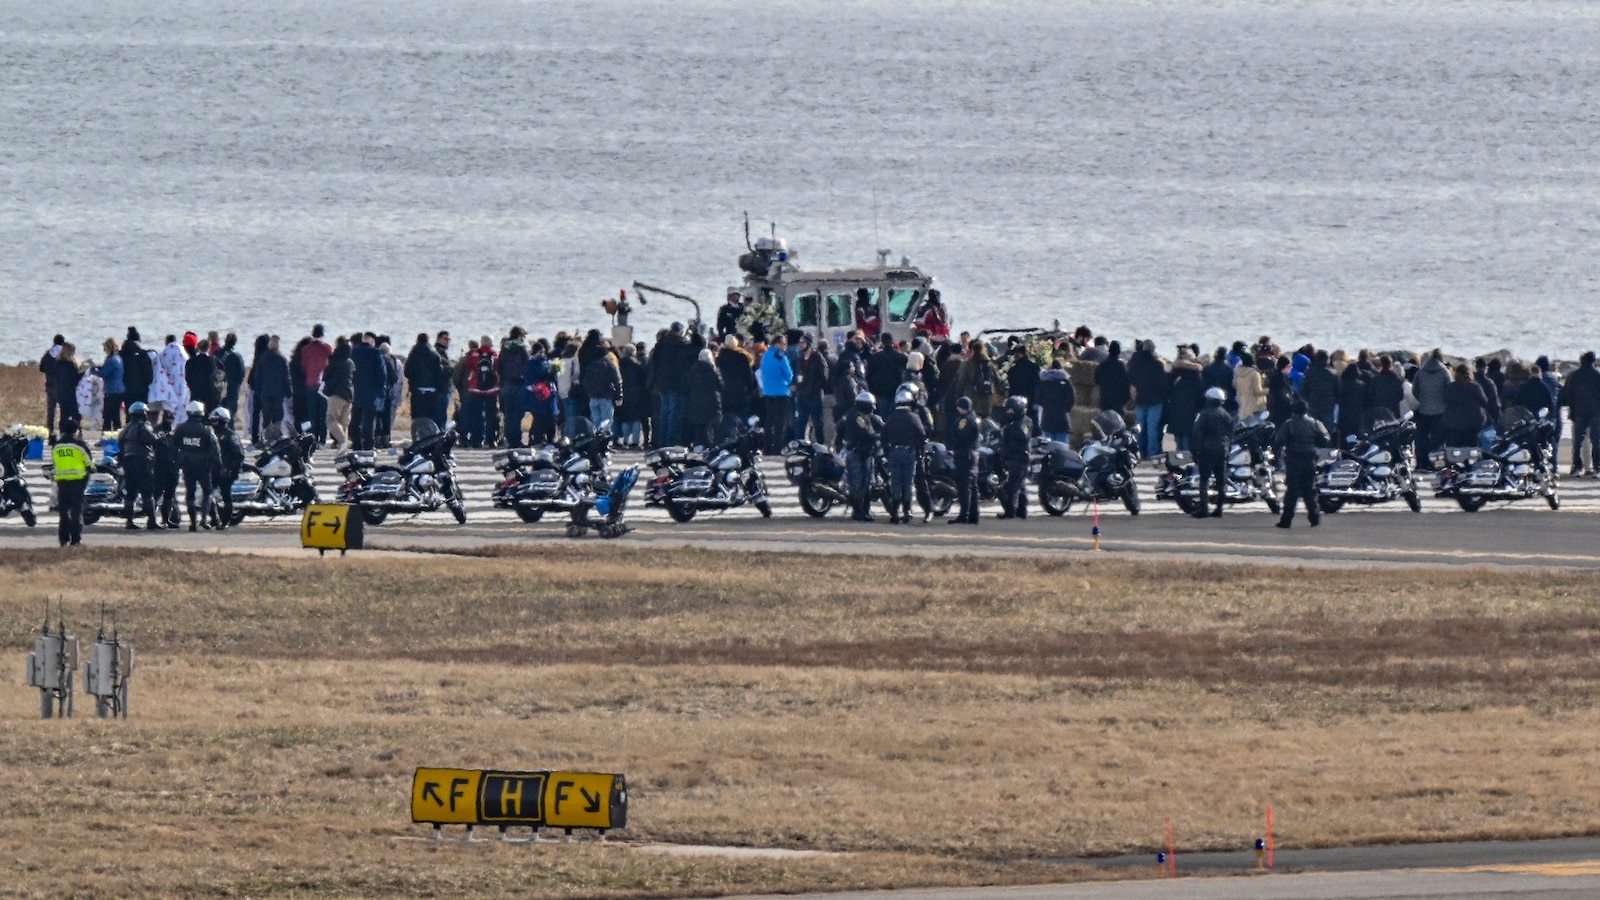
(1412, 173)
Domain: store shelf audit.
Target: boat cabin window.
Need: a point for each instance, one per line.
(805, 310)
(841, 310)
(903, 303)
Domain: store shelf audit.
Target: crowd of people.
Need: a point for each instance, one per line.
(692, 385)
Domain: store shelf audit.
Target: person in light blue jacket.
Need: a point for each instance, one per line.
(115, 387)
(776, 377)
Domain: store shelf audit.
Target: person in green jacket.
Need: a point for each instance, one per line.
(71, 466)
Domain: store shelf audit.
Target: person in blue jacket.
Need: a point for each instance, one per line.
(777, 374)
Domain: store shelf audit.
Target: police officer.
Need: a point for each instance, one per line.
(198, 457)
(1213, 430)
(71, 465)
(860, 433)
(165, 467)
(903, 435)
(136, 453)
(964, 447)
(231, 451)
(1298, 439)
(919, 405)
(1016, 438)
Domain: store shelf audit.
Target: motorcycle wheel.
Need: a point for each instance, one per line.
(1554, 499)
(529, 514)
(460, 512)
(1413, 500)
(89, 518)
(1274, 505)
(236, 519)
(1471, 504)
(373, 516)
(765, 509)
(679, 512)
(941, 506)
(1330, 505)
(815, 505)
(1130, 498)
(1053, 502)
(1186, 505)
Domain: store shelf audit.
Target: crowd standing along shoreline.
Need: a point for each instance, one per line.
(695, 384)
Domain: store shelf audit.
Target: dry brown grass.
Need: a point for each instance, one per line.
(944, 726)
(21, 394)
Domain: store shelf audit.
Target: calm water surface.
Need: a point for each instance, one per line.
(1412, 173)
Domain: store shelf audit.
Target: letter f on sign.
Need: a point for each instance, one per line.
(456, 791)
(511, 797)
(562, 789)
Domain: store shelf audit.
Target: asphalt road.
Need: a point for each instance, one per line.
(1567, 868)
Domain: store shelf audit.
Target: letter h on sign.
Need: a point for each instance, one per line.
(512, 798)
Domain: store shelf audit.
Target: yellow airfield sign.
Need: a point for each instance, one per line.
(331, 526)
(538, 799)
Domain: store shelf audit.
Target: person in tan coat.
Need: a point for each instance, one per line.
(1249, 387)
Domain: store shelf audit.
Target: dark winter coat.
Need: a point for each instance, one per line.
(1321, 389)
(269, 375)
(200, 373)
(635, 392)
(370, 384)
(738, 374)
(1147, 378)
(1055, 398)
(705, 394)
(137, 372)
(1353, 391)
(338, 378)
(602, 380)
(1116, 390)
(1022, 379)
(1186, 396)
(1466, 407)
(1386, 391)
(424, 368)
(1581, 393)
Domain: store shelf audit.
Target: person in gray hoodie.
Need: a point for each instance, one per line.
(1429, 389)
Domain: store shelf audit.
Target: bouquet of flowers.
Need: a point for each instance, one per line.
(762, 314)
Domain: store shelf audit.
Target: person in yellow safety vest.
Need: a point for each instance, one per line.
(71, 466)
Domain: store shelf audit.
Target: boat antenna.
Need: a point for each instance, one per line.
(747, 244)
(883, 252)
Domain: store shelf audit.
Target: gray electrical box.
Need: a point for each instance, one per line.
(50, 669)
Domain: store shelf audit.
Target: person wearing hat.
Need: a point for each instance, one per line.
(198, 458)
(963, 442)
(138, 371)
(860, 433)
(200, 372)
(70, 468)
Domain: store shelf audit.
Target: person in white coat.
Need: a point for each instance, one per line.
(170, 389)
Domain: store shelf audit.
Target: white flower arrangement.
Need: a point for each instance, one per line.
(764, 314)
(31, 431)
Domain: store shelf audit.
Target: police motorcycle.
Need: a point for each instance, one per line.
(818, 475)
(1516, 467)
(554, 477)
(722, 477)
(422, 480)
(1103, 471)
(1374, 467)
(279, 481)
(14, 493)
(102, 496)
(1248, 475)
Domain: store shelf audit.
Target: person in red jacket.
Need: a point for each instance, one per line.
(481, 405)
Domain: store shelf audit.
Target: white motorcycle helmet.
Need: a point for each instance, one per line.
(1216, 394)
(195, 408)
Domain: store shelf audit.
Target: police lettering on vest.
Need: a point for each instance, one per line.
(70, 462)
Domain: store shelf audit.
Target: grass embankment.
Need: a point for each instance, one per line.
(21, 395)
(942, 723)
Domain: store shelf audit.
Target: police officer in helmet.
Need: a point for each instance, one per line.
(1016, 438)
(231, 452)
(903, 436)
(1212, 432)
(963, 442)
(136, 454)
(198, 458)
(860, 432)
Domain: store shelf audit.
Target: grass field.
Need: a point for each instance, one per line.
(944, 724)
(21, 395)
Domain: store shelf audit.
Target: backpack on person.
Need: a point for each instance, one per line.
(487, 379)
(984, 386)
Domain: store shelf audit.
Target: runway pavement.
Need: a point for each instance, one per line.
(1527, 533)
